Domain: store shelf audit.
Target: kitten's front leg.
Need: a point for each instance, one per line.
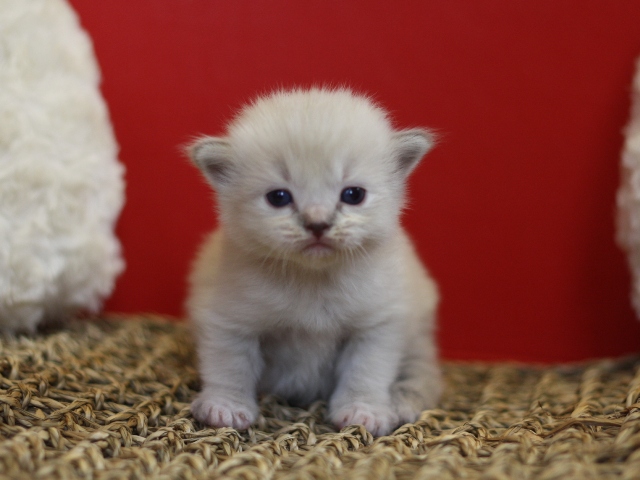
(367, 368)
(229, 367)
(419, 382)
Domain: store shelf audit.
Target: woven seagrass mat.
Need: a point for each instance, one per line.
(110, 399)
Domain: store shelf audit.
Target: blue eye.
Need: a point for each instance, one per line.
(279, 198)
(353, 195)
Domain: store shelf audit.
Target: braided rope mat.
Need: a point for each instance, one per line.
(110, 399)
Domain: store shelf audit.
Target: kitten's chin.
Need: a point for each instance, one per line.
(317, 255)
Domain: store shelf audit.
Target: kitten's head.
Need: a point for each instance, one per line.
(313, 176)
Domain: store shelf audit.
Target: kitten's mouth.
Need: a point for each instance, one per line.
(318, 248)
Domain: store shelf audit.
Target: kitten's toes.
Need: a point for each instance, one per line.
(221, 411)
(378, 419)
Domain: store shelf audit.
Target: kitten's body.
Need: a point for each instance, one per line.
(344, 313)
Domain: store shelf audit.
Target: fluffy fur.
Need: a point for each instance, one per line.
(343, 313)
(629, 193)
(61, 186)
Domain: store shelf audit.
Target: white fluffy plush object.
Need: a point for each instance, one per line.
(629, 193)
(61, 185)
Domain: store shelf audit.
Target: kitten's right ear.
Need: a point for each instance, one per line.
(212, 155)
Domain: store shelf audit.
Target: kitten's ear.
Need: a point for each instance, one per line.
(410, 146)
(212, 155)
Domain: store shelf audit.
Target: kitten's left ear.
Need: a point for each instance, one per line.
(410, 146)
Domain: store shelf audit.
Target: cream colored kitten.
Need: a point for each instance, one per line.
(310, 288)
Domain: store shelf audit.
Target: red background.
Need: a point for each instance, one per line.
(513, 211)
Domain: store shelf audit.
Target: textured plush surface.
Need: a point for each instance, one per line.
(629, 192)
(110, 399)
(61, 186)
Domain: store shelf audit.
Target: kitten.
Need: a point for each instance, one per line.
(310, 289)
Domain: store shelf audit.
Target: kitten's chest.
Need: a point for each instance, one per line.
(312, 305)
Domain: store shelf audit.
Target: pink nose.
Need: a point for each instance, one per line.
(317, 228)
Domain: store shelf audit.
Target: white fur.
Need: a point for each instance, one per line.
(351, 321)
(629, 193)
(61, 186)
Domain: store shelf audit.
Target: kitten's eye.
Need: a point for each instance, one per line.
(352, 195)
(279, 198)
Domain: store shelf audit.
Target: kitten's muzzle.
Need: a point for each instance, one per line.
(316, 219)
(317, 228)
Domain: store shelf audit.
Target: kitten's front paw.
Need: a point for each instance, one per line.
(224, 411)
(378, 419)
